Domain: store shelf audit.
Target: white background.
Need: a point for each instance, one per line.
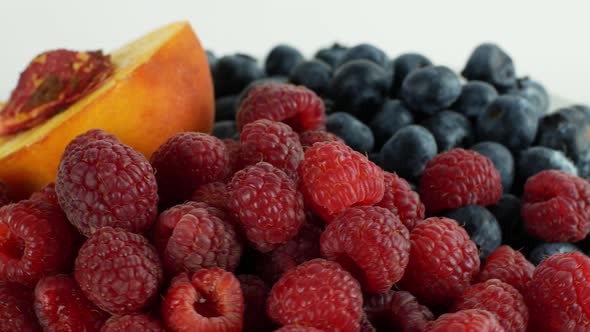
(548, 40)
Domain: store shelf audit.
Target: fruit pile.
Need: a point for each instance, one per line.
(343, 193)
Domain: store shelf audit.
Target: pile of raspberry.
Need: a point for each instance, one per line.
(270, 233)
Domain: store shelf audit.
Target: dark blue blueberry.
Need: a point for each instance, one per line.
(489, 63)
(392, 117)
(405, 64)
(510, 120)
(481, 225)
(234, 72)
(360, 87)
(329, 105)
(375, 157)
(314, 74)
(539, 158)
(281, 60)
(544, 250)
(474, 98)
(226, 108)
(224, 129)
(408, 151)
(583, 165)
(450, 130)
(331, 55)
(364, 52)
(211, 59)
(246, 90)
(355, 133)
(431, 89)
(502, 159)
(566, 130)
(534, 92)
(507, 212)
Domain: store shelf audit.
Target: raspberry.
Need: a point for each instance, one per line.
(443, 260)
(89, 136)
(233, 150)
(186, 161)
(557, 296)
(214, 194)
(366, 325)
(190, 238)
(210, 300)
(509, 266)
(472, 320)
(255, 292)
(297, 106)
(106, 183)
(457, 178)
(118, 270)
(16, 308)
(47, 194)
(61, 306)
(273, 142)
(556, 206)
(371, 243)
(317, 293)
(397, 311)
(131, 323)
(302, 248)
(400, 199)
(334, 177)
(298, 328)
(310, 137)
(3, 194)
(500, 299)
(267, 205)
(35, 240)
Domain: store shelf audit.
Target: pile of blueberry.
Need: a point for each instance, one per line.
(402, 112)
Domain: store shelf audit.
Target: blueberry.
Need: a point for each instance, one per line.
(375, 157)
(405, 64)
(502, 159)
(226, 108)
(408, 151)
(510, 120)
(489, 63)
(225, 129)
(364, 52)
(314, 74)
(481, 225)
(474, 98)
(329, 105)
(507, 213)
(539, 158)
(246, 90)
(450, 130)
(392, 117)
(534, 92)
(359, 87)
(565, 130)
(355, 133)
(331, 55)
(234, 72)
(544, 250)
(281, 60)
(431, 89)
(211, 59)
(583, 165)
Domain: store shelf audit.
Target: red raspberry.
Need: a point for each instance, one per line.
(35, 240)
(371, 243)
(47, 194)
(317, 293)
(556, 206)
(472, 320)
(458, 177)
(255, 293)
(297, 106)
(16, 308)
(233, 150)
(133, 323)
(211, 300)
(61, 306)
(366, 325)
(302, 248)
(89, 136)
(500, 299)
(190, 238)
(397, 311)
(334, 177)
(557, 296)
(298, 328)
(186, 161)
(443, 260)
(3, 194)
(267, 205)
(400, 199)
(273, 142)
(214, 194)
(119, 271)
(509, 266)
(310, 137)
(106, 183)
